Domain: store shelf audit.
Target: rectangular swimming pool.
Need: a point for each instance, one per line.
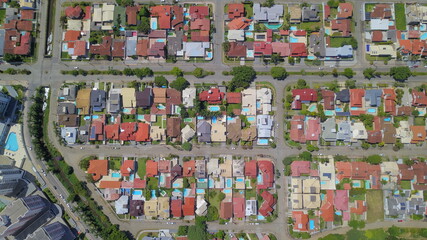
(229, 183)
(116, 175)
(239, 179)
(293, 40)
(12, 142)
(311, 224)
(226, 191)
(214, 108)
(372, 110)
(251, 119)
(137, 192)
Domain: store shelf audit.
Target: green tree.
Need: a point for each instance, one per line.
(394, 231)
(243, 76)
(351, 84)
(177, 72)
(291, 60)
(353, 43)
(160, 81)
(199, 230)
(312, 148)
(144, 12)
(212, 214)
(124, 3)
(348, 72)
(180, 83)
(144, 25)
(199, 72)
(306, 156)
(182, 230)
(333, 3)
(12, 57)
(187, 146)
(365, 145)
(128, 72)
(369, 73)
(268, 3)
(279, 73)
(301, 83)
(335, 72)
(374, 159)
(400, 73)
(275, 59)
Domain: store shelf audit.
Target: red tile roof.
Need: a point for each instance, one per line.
(143, 133)
(281, 48)
(74, 12)
(165, 166)
(381, 11)
(98, 168)
(327, 11)
(226, 210)
(342, 25)
(413, 34)
(420, 171)
(239, 23)
(377, 36)
(98, 127)
(212, 96)
(80, 48)
(157, 49)
(305, 95)
(343, 170)
(127, 131)
(188, 168)
(327, 208)
(300, 33)
(418, 134)
(297, 129)
(263, 49)
(189, 206)
(15, 43)
(199, 12)
(163, 13)
(345, 10)
(266, 169)
(356, 97)
(151, 168)
(235, 10)
(201, 24)
(251, 169)
(300, 167)
(301, 221)
(110, 184)
(88, 13)
(112, 131)
(103, 49)
(142, 47)
(27, 14)
(237, 50)
(127, 167)
(176, 205)
(200, 36)
(139, 183)
(131, 12)
(118, 49)
(239, 207)
(359, 170)
(312, 131)
(360, 207)
(419, 99)
(298, 50)
(173, 127)
(328, 99)
(234, 97)
(178, 19)
(267, 205)
(72, 35)
(341, 200)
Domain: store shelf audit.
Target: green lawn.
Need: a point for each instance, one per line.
(158, 121)
(141, 167)
(338, 41)
(215, 200)
(375, 58)
(376, 234)
(152, 183)
(399, 9)
(253, 236)
(419, 121)
(312, 25)
(405, 184)
(232, 106)
(2, 15)
(250, 193)
(119, 16)
(128, 118)
(249, 12)
(375, 204)
(369, 7)
(115, 163)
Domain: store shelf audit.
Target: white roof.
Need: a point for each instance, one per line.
(236, 35)
(379, 24)
(97, 14)
(195, 49)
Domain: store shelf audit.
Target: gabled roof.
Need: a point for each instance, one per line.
(74, 12)
(237, 50)
(267, 205)
(165, 166)
(103, 49)
(189, 206)
(163, 12)
(297, 129)
(281, 48)
(266, 168)
(131, 12)
(176, 208)
(251, 169)
(341, 200)
(234, 97)
(327, 208)
(235, 10)
(151, 168)
(226, 210)
(127, 131)
(343, 170)
(239, 23)
(201, 24)
(312, 131)
(298, 50)
(143, 133)
(305, 95)
(419, 99)
(418, 134)
(300, 167)
(356, 97)
(328, 99)
(345, 10)
(127, 167)
(200, 36)
(142, 47)
(109, 184)
(301, 221)
(173, 127)
(189, 168)
(239, 207)
(199, 12)
(27, 14)
(98, 168)
(212, 96)
(118, 49)
(360, 207)
(112, 131)
(374, 136)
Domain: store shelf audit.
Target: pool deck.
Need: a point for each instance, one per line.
(20, 155)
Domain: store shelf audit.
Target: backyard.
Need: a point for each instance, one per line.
(419, 121)
(115, 163)
(405, 185)
(2, 15)
(338, 41)
(399, 9)
(375, 203)
(141, 167)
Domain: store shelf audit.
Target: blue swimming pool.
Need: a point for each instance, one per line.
(226, 191)
(139, 117)
(263, 141)
(322, 196)
(338, 109)
(249, 34)
(12, 142)
(153, 24)
(251, 119)
(211, 183)
(368, 184)
(161, 107)
(312, 108)
(137, 192)
(293, 40)
(153, 194)
(229, 183)
(356, 184)
(132, 177)
(384, 178)
(214, 120)
(372, 110)
(329, 113)
(259, 178)
(186, 14)
(86, 118)
(403, 36)
(116, 175)
(387, 119)
(230, 119)
(250, 53)
(210, 55)
(176, 185)
(95, 117)
(311, 57)
(200, 118)
(214, 108)
(245, 109)
(422, 27)
(261, 217)
(354, 108)
(273, 26)
(323, 182)
(239, 180)
(258, 104)
(293, 28)
(187, 192)
(311, 224)
(200, 191)
(160, 40)
(162, 179)
(423, 36)
(328, 31)
(338, 213)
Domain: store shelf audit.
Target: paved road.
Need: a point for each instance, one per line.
(47, 71)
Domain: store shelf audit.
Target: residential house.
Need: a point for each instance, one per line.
(251, 208)
(235, 10)
(144, 99)
(300, 167)
(312, 130)
(226, 209)
(68, 120)
(187, 133)
(358, 131)
(163, 207)
(251, 169)
(297, 129)
(83, 101)
(173, 129)
(122, 205)
(201, 206)
(327, 209)
(188, 96)
(204, 131)
(249, 102)
(151, 168)
(344, 131)
(264, 126)
(150, 208)
(343, 170)
(128, 97)
(98, 100)
(295, 12)
(328, 99)
(98, 168)
(266, 14)
(189, 168)
(300, 221)
(418, 134)
(163, 15)
(327, 174)
(404, 133)
(345, 51)
(212, 96)
(267, 206)
(239, 207)
(345, 10)
(373, 97)
(310, 13)
(329, 130)
(419, 99)
(200, 169)
(303, 96)
(114, 103)
(311, 190)
(266, 170)
(189, 206)
(389, 97)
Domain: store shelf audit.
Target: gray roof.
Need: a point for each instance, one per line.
(195, 49)
(343, 95)
(416, 206)
(310, 14)
(68, 93)
(204, 131)
(264, 126)
(122, 205)
(66, 108)
(52, 231)
(329, 132)
(345, 51)
(114, 102)
(373, 96)
(12, 92)
(391, 35)
(272, 14)
(175, 43)
(2, 34)
(145, 98)
(98, 100)
(131, 46)
(69, 134)
(344, 131)
(317, 42)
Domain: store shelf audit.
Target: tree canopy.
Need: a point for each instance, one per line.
(348, 72)
(369, 73)
(278, 73)
(180, 83)
(243, 76)
(160, 81)
(400, 73)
